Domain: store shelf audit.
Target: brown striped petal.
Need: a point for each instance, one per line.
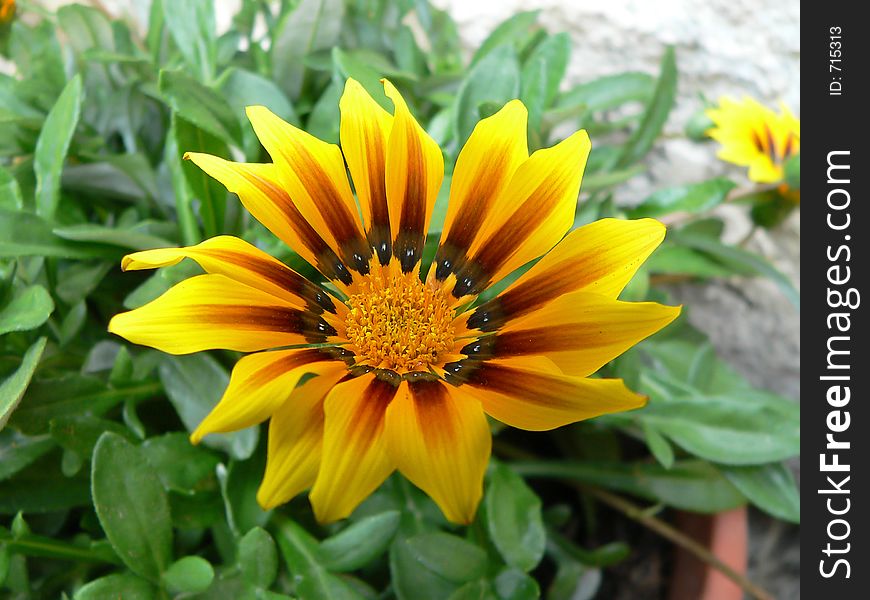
(295, 442)
(439, 439)
(539, 202)
(260, 189)
(415, 168)
(495, 149)
(260, 383)
(209, 312)
(239, 260)
(601, 257)
(580, 332)
(365, 131)
(530, 393)
(314, 176)
(354, 460)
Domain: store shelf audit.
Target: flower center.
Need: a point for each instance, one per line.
(398, 322)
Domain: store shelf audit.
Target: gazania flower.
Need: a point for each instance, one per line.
(404, 371)
(754, 136)
(7, 11)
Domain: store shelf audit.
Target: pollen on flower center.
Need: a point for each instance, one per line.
(398, 322)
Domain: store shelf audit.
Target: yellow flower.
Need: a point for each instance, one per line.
(7, 11)
(754, 136)
(405, 372)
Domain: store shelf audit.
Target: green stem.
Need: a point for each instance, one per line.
(37, 545)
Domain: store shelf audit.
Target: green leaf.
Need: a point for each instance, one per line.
(118, 585)
(188, 575)
(86, 27)
(793, 172)
(194, 384)
(771, 207)
(310, 26)
(680, 260)
(28, 309)
(608, 92)
(448, 556)
(593, 182)
(192, 25)
(239, 484)
(10, 192)
(738, 257)
(74, 395)
(301, 553)
(136, 237)
(509, 32)
(513, 584)
(656, 113)
(132, 506)
(26, 234)
(180, 465)
(575, 581)
(699, 197)
(80, 433)
(533, 93)
(13, 387)
(514, 520)
(688, 485)
(121, 177)
(200, 105)
(410, 580)
(323, 122)
(52, 146)
(770, 487)
(360, 543)
(698, 125)
(746, 428)
(553, 53)
(258, 558)
(212, 195)
(496, 78)
(241, 88)
(349, 66)
(42, 488)
(659, 446)
(18, 450)
(474, 590)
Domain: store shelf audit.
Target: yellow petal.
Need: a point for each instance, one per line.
(415, 168)
(365, 131)
(529, 393)
(489, 159)
(209, 312)
(295, 442)
(439, 438)
(259, 384)
(261, 191)
(313, 174)
(541, 199)
(600, 257)
(242, 262)
(580, 332)
(354, 461)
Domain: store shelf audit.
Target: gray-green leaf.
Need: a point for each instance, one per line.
(514, 519)
(13, 387)
(52, 146)
(132, 506)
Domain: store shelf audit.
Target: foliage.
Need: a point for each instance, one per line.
(101, 491)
